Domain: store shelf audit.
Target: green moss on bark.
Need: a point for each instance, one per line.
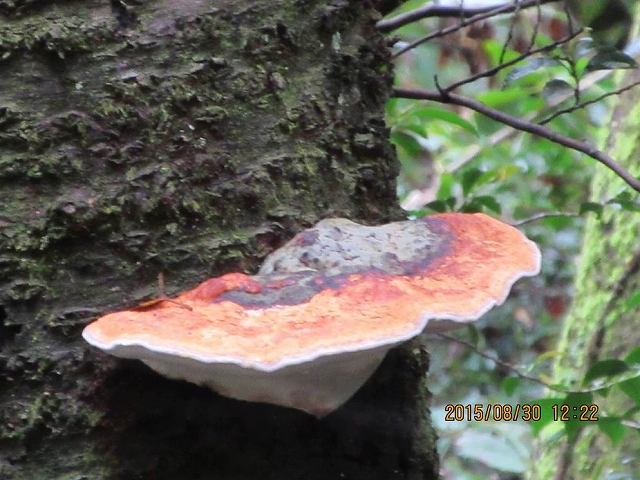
(599, 326)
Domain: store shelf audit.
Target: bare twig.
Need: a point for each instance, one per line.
(502, 363)
(536, 26)
(633, 50)
(518, 373)
(508, 131)
(523, 125)
(446, 31)
(581, 105)
(512, 28)
(441, 11)
(519, 58)
(542, 216)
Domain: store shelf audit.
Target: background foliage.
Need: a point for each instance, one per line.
(549, 68)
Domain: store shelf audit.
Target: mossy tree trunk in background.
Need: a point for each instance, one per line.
(599, 326)
(189, 138)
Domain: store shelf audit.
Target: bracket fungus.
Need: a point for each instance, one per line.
(323, 311)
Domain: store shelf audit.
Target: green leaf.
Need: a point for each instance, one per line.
(633, 356)
(631, 387)
(624, 196)
(473, 178)
(496, 98)
(611, 60)
(392, 108)
(479, 203)
(529, 67)
(469, 179)
(626, 201)
(631, 413)
(491, 203)
(500, 174)
(585, 47)
(576, 403)
(555, 89)
(546, 412)
(630, 206)
(495, 50)
(558, 222)
(604, 369)
(591, 207)
(612, 427)
(447, 182)
(601, 383)
(442, 206)
(580, 66)
(471, 207)
(432, 113)
(510, 385)
(407, 142)
(633, 302)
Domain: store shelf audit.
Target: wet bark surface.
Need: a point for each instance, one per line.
(190, 138)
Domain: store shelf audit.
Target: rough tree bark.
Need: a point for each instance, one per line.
(599, 326)
(190, 138)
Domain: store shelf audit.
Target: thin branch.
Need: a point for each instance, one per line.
(445, 31)
(512, 368)
(536, 26)
(519, 58)
(441, 11)
(523, 125)
(567, 13)
(502, 363)
(506, 132)
(512, 28)
(542, 216)
(464, 21)
(581, 105)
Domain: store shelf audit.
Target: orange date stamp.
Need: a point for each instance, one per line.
(528, 412)
(582, 412)
(497, 412)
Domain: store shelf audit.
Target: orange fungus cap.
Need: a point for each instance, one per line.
(318, 319)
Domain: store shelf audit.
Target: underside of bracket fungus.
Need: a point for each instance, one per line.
(317, 320)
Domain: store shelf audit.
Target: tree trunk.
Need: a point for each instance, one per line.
(599, 326)
(189, 138)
